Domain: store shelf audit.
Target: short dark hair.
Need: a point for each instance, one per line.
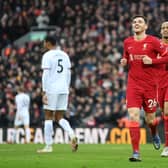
(52, 39)
(141, 16)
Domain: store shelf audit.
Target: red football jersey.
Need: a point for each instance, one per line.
(162, 74)
(141, 75)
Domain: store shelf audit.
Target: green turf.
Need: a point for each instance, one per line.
(88, 156)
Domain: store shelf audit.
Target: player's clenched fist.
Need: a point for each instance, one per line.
(147, 60)
(123, 61)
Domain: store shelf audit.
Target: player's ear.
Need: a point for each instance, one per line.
(146, 26)
(46, 44)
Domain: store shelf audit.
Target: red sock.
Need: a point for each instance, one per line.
(153, 129)
(153, 126)
(157, 120)
(135, 135)
(166, 129)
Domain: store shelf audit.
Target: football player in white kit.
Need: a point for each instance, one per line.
(56, 77)
(22, 117)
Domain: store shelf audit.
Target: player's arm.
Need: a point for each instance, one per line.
(161, 50)
(125, 57)
(45, 74)
(149, 61)
(45, 77)
(162, 60)
(45, 86)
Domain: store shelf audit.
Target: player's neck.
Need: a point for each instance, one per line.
(52, 47)
(165, 40)
(140, 36)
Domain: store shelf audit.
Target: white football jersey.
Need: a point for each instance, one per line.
(22, 101)
(58, 64)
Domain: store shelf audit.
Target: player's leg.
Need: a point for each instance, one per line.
(150, 105)
(134, 128)
(48, 130)
(66, 126)
(150, 119)
(48, 123)
(27, 133)
(61, 108)
(14, 140)
(134, 103)
(165, 117)
(17, 123)
(26, 121)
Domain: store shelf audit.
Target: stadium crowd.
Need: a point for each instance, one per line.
(92, 33)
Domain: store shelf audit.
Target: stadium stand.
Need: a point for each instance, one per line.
(92, 32)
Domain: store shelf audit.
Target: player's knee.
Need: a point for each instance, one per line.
(48, 115)
(134, 114)
(166, 113)
(58, 116)
(134, 118)
(150, 120)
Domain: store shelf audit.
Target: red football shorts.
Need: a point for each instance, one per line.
(139, 97)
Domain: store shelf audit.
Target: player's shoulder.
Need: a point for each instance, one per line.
(17, 95)
(129, 39)
(46, 55)
(165, 44)
(26, 94)
(153, 38)
(49, 52)
(61, 52)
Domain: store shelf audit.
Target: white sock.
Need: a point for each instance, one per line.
(48, 131)
(66, 126)
(27, 131)
(14, 136)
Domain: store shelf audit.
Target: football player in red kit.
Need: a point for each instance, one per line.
(162, 83)
(141, 84)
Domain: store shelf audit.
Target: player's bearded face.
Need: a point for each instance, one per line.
(139, 25)
(164, 30)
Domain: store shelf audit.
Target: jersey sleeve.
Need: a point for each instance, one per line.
(45, 78)
(161, 60)
(163, 52)
(125, 53)
(45, 62)
(45, 66)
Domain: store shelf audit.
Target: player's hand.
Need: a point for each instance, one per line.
(147, 60)
(123, 61)
(45, 99)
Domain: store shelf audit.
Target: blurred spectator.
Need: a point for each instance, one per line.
(43, 20)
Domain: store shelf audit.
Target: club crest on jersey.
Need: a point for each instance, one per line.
(144, 46)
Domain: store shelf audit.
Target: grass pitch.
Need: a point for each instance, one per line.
(88, 156)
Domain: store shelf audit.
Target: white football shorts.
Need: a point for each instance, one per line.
(56, 102)
(22, 119)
